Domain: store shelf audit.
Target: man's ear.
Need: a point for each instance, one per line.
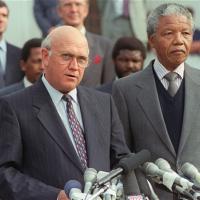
(45, 57)
(151, 40)
(23, 65)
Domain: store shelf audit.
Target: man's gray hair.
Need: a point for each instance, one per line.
(166, 10)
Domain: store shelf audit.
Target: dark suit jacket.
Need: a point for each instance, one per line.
(11, 88)
(13, 73)
(46, 15)
(140, 112)
(104, 88)
(101, 69)
(37, 156)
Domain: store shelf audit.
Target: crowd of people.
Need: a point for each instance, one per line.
(73, 99)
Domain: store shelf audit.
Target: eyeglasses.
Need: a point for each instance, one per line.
(66, 58)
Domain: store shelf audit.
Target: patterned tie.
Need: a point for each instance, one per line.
(173, 87)
(125, 8)
(76, 131)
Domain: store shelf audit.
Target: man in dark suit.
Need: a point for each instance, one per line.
(46, 15)
(159, 114)
(39, 148)
(100, 69)
(31, 65)
(10, 71)
(128, 57)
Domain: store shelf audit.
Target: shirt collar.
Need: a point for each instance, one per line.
(56, 95)
(26, 82)
(3, 45)
(163, 71)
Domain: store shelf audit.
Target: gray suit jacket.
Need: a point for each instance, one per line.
(140, 112)
(37, 156)
(101, 69)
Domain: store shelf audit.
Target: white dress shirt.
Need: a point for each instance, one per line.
(161, 71)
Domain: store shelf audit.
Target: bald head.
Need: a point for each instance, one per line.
(65, 56)
(61, 34)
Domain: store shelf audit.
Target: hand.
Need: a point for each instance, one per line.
(62, 196)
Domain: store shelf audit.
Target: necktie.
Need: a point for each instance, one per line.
(76, 132)
(125, 8)
(173, 87)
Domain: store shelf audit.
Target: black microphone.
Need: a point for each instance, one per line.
(125, 166)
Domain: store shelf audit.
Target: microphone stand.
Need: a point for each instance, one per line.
(102, 190)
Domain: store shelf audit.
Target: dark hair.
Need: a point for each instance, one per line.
(129, 43)
(3, 4)
(32, 43)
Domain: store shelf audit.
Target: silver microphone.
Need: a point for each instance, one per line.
(90, 176)
(191, 172)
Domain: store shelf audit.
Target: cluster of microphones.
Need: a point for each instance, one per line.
(186, 183)
(108, 185)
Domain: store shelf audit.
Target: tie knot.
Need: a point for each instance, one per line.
(67, 98)
(171, 76)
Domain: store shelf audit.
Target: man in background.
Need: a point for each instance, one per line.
(100, 69)
(159, 106)
(121, 18)
(31, 65)
(10, 71)
(46, 15)
(128, 57)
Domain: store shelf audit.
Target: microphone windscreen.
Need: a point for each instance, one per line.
(71, 184)
(132, 161)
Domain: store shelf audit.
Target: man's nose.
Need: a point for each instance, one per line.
(178, 38)
(73, 64)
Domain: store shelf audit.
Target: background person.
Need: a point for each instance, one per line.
(128, 56)
(31, 65)
(100, 69)
(10, 71)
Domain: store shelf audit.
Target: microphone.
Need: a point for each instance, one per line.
(90, 176)
(164, 165)
(191, 172)
(172, 181)
(125, 165)
(73, 190)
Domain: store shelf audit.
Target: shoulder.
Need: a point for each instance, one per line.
(11, 88)
(193, 73)
(98, 38)
(93, 95)
(11, 46)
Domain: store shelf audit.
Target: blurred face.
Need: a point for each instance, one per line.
(33, 66)
(73, 12)
(127, 62)
(66, 61)
(172, 40)
(3, 20)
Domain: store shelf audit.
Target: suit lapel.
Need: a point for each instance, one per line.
(48, 116)
(149, 101)
(92, 125)
(192, 105)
